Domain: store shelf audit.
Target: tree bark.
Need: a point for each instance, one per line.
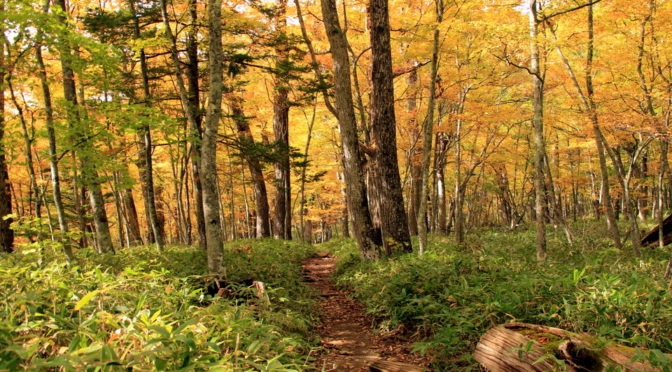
(283, 197)
(538, 132)
(194, 105)
(263, 228)
(6, 233)
(213, 226)
(89, 171)
(525, 347)
(428, 128)
(415, 169)
(145, 162)
(53, 155)
(589, 103)
(356, 196)
(394, 222)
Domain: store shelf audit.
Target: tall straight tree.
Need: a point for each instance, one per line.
(81, 141)
(194, 99)
(263, 228)
(145, 163)
(51, 134)
(587, 98)
(6, 233)
(213, 225)
(384, 132)
(282, 223)
(538, 130)
(356, 197)
(428, 127)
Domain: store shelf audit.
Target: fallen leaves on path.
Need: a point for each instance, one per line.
(345, 331)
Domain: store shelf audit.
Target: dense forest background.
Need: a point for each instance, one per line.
(107, 108)
(163, 124)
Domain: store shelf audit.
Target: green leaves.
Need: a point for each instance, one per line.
(86, 299)
(145, 311)
(454, 295)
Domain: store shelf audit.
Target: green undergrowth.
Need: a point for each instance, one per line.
(450, 296)
(146, 310)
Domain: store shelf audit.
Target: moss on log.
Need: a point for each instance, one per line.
(529, 347)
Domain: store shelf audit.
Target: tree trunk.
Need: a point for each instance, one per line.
(526, 347)
(6, 233)
(428, 128)
(263, 228)
(194, 106)
(394, 222)
(413, 153)
(89, 172)
(145, 163)
(53, 155)
(34, 194)
(283, 197)
(208, 169)
(356, 195)
(304, 169)
(538, 132)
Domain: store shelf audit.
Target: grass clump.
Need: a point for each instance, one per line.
(451, 295)
(146, 310)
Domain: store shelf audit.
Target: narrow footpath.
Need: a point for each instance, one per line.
(345, 332)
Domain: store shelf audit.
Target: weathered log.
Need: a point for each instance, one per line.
(529, 347)
(652, 236)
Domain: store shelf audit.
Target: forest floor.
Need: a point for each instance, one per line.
(345, 331)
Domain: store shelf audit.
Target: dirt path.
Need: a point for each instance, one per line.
(349, 344)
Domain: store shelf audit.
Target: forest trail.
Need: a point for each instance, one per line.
(345, 332)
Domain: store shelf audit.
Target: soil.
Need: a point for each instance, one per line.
(345, 331)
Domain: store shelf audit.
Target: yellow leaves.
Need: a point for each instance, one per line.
(86, 299)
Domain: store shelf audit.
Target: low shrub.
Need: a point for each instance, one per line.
(452, 295)
(147, 310)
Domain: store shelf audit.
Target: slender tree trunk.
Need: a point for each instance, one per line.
(213, 226)
(588, 101)
(34, 192)
(89, 172)
(394, 222)
(428, 128)
(304, 169)
(363, 229)
(458, 196)
(145, 163)
(664, 148)
(53, 155)
(6, 233)
(441, 193)
(538, 132)
(283, 196)
(263, 228)
(413, 154)
(194, 106)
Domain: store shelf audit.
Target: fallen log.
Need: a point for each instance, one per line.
(528, 347)
(653, 235)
